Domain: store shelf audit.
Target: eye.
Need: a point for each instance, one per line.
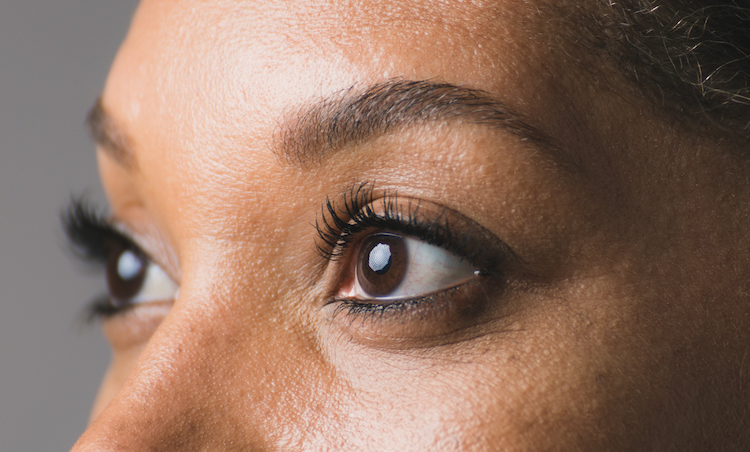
(392, 266)
(408, 272)
(133, 279)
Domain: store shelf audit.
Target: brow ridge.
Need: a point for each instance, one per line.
(352, 117)
(109, 136)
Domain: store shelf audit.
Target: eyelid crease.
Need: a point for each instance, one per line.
(341, 223)
(86, 227)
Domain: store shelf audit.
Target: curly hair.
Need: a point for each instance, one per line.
(693, 55)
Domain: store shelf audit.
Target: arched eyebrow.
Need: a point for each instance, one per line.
(352, 117)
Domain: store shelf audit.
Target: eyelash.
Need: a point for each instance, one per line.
(342, 223)
(87, 230)
(423, 306)
(340, 226)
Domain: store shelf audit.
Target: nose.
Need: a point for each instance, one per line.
(205, 382)
(167, 402)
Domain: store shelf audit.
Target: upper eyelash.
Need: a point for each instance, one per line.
(334, 221)
(88, 229)
(341, 223)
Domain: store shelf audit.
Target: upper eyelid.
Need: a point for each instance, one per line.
(422, 219)
(85, 226)
(436, 224)
(338, 225)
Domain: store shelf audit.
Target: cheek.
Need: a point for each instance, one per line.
(127, 334)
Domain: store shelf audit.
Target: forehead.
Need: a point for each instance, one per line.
(202, 87)
(209, 59)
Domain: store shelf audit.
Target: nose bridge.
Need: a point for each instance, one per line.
(193, 387)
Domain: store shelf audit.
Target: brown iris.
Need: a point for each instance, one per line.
(126, 271)
(381, 264)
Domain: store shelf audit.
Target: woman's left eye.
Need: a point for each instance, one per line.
(422, 270)
(392, 266)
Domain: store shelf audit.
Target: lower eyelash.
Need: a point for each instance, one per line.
(404, 309)
(100, 307)
(374, 311)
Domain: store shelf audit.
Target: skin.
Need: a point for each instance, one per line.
(624, 328)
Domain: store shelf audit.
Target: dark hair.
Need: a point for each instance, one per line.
(691, 55)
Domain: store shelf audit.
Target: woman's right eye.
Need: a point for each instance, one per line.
(133, 279)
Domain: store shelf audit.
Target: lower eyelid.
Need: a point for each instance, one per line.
(415, 322)
(134, 326)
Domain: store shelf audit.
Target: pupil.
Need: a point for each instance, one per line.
(380, 258)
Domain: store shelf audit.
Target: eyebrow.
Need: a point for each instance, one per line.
(353, 117)
(109, 137)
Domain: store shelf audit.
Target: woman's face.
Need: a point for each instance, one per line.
(411, 226)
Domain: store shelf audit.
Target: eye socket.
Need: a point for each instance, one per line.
(392, 266)
(133, 279)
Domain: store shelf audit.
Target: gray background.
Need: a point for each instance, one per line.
(54, 57)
